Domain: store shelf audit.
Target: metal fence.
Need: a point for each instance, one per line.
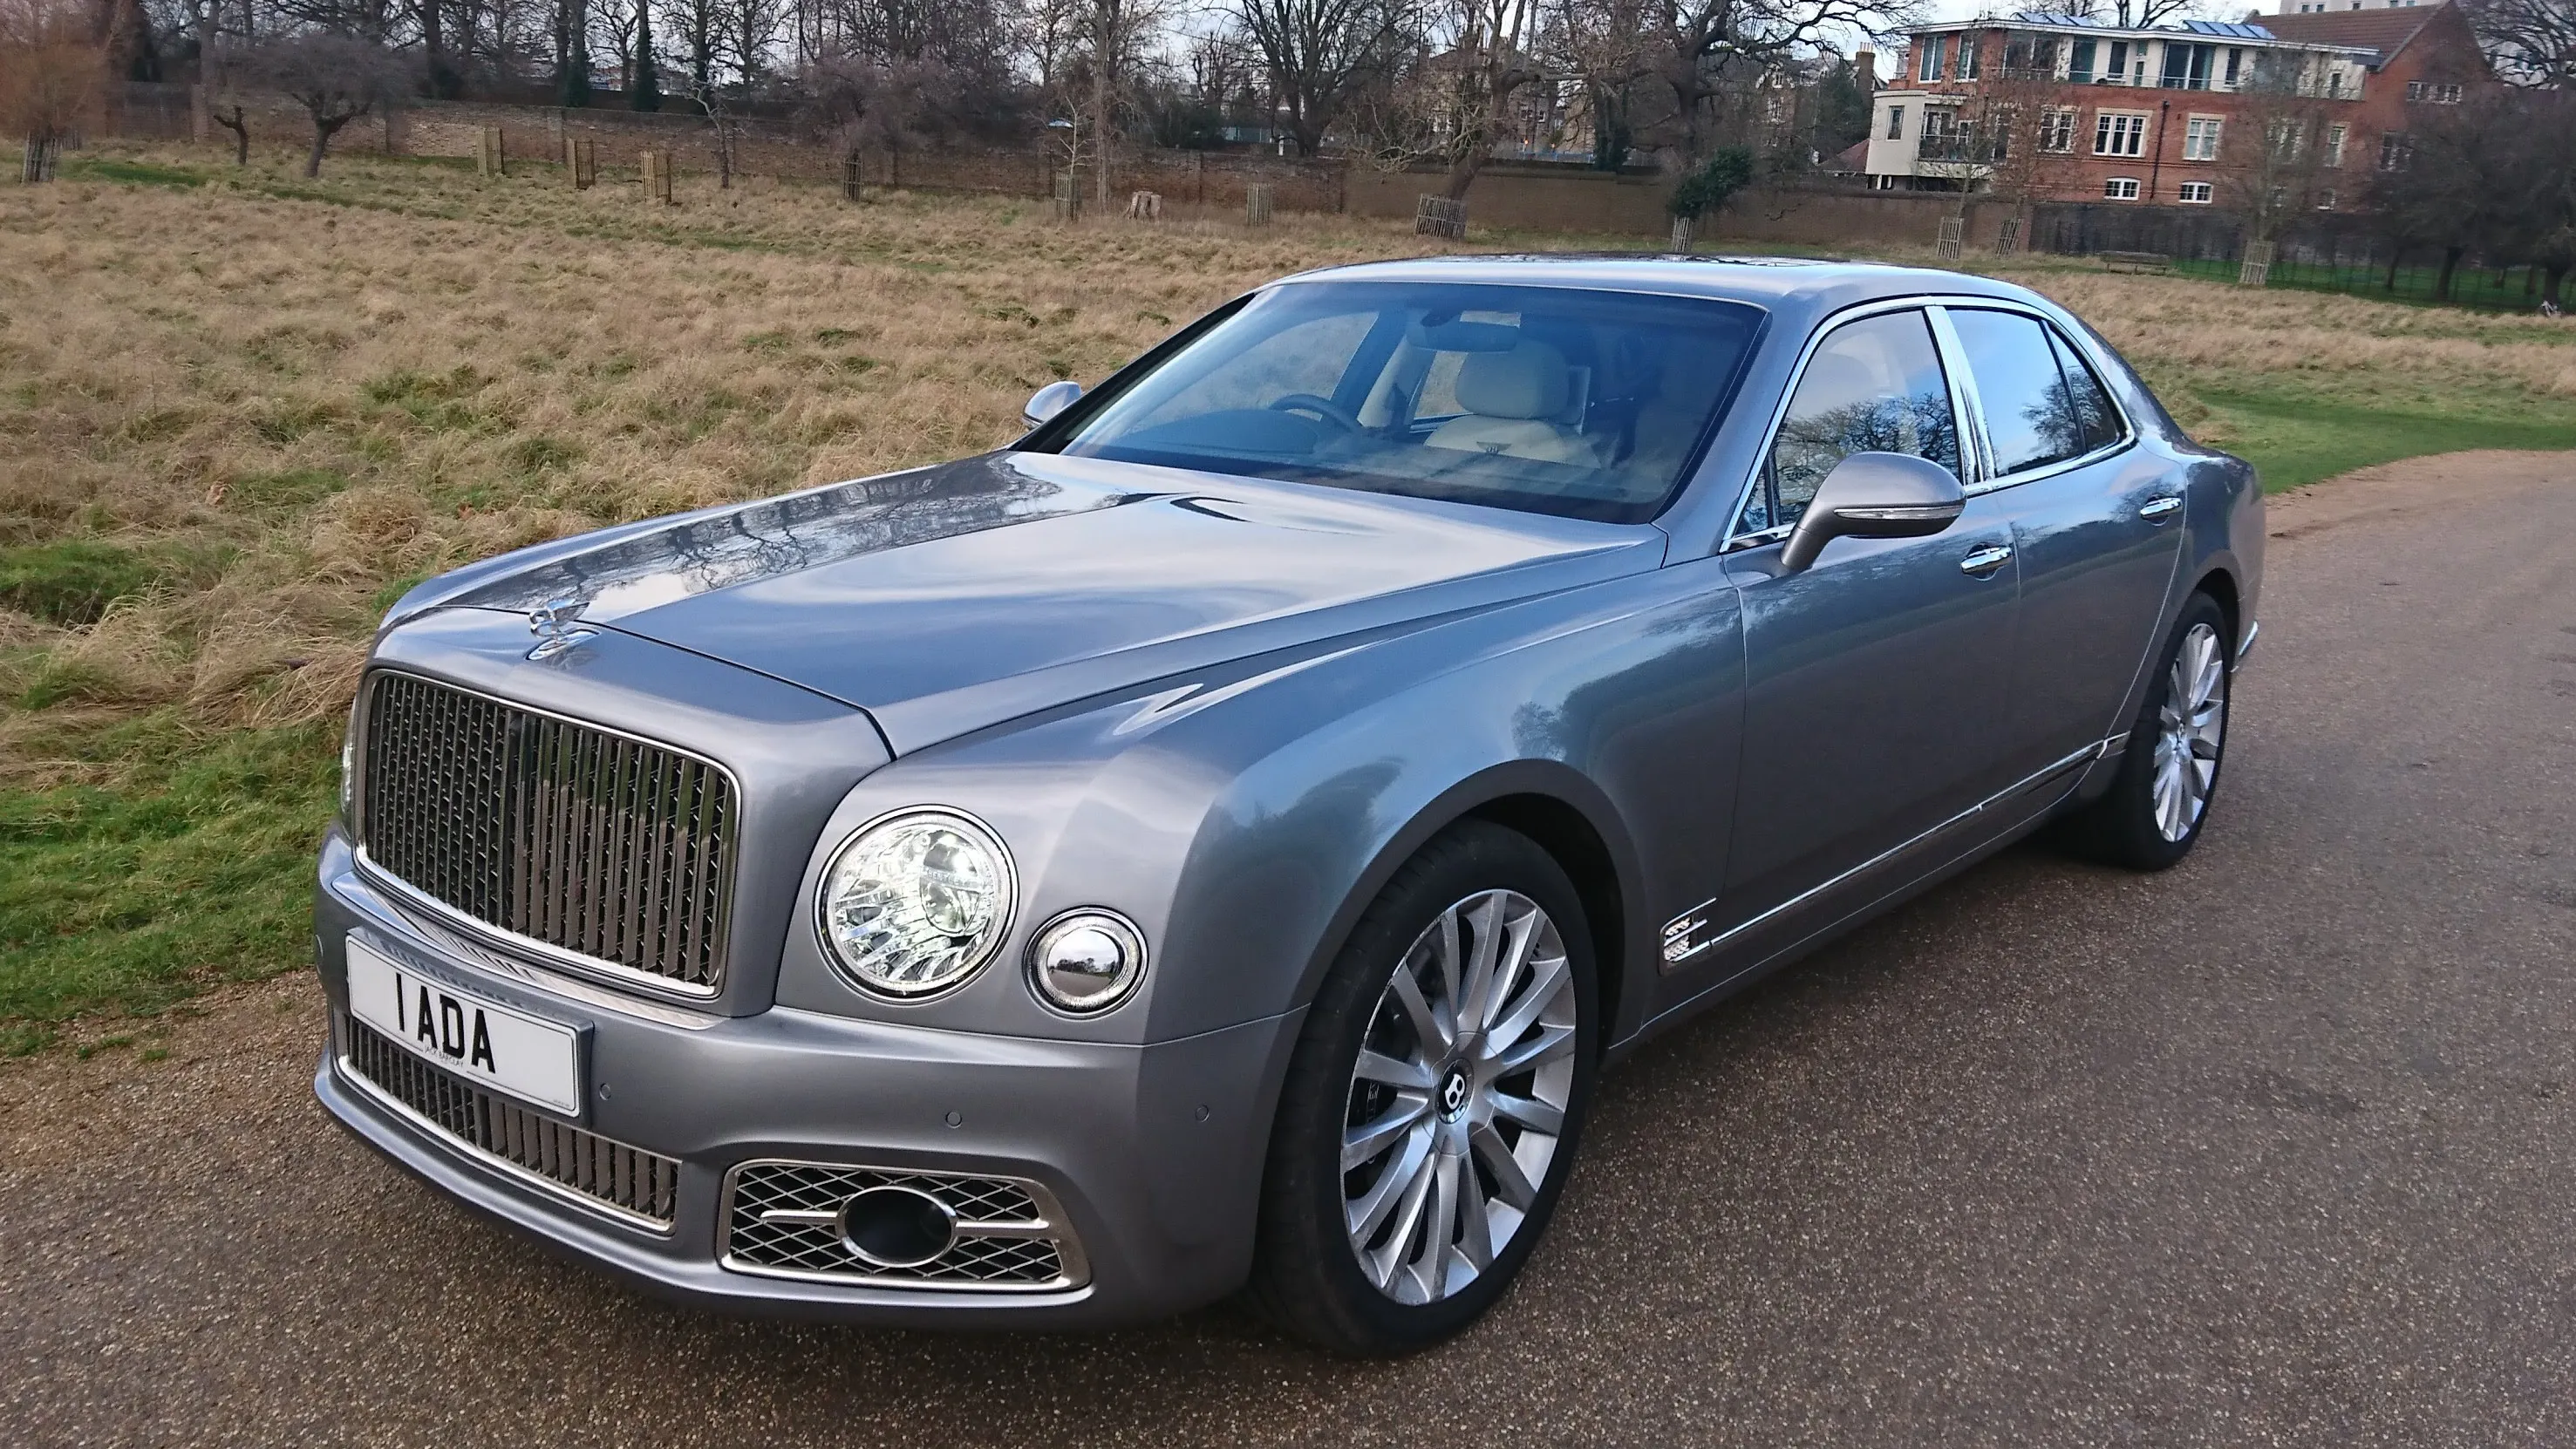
(2338, 256)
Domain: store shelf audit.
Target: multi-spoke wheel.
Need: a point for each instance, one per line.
(2160, 798)
(1431, 1112)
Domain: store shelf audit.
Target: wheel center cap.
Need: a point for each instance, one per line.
(1454, 1091)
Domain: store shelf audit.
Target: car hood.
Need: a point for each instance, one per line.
(950, 598)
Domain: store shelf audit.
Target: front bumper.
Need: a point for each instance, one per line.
(1152, 1153)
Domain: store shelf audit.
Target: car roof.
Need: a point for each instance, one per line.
(1811, 284)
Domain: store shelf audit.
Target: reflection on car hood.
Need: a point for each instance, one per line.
(950, 598)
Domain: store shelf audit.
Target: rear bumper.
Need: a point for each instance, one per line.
(1152, 1153)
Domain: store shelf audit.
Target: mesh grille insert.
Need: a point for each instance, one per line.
(1007, 1238)
(633, 1182)
(603, 846)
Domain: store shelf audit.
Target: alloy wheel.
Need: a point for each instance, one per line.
(2191, 727)
(1457, 1101)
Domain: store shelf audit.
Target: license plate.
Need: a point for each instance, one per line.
(482, 1041)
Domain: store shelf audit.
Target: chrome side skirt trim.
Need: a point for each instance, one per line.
(1686, 935)
(2245, 645)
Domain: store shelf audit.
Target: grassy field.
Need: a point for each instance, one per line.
(244, 411)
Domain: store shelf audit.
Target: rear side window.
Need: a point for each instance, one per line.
(2092, 405)
(2032, 418)
(1874, 385)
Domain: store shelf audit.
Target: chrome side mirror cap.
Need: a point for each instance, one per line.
(1048, 401)
(1875, 495)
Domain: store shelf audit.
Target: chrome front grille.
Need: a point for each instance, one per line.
(628, 1182)
(782, 1219)
(605, 847)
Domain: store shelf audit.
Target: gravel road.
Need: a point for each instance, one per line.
(2275, 1148)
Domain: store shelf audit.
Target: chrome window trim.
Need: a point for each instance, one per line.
(1987, 480)
(543, 952)
(1074, 1267)
(1973, 455)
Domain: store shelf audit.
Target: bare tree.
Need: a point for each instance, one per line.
(1704, 47)
(222, 74)
(2532, 42)
(337, 77)
(1491, 55)
(53, 72)
(1322, 53)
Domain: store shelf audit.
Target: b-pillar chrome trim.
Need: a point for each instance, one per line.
(1684, 936)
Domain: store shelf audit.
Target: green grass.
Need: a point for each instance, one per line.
(2415, 285)
(118, 901)
(2296, 437)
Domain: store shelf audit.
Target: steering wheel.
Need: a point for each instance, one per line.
(1322, 407)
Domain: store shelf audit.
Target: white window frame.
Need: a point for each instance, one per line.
(1927, 65)
(2335, 135)
(2111, 188)
(2109, 127)
(1896, 123)
(2201, 136)
(2057, 130)
(2207, 193)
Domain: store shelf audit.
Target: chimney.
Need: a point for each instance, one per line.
(1865, 69)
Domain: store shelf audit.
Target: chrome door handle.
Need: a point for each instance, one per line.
(1982, 562)
(2158, 509)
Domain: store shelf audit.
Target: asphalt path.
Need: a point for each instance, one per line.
(2274, 1148)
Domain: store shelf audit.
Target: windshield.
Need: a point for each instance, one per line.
(1561, 400)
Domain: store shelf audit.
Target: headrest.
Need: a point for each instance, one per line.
(1527, 382)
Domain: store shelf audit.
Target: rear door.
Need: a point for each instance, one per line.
(1879, 679)
(2096, 522)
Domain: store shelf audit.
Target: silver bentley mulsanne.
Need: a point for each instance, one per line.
(1214, 843)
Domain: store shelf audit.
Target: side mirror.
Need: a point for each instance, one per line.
(1049, 400)
(1875, 495)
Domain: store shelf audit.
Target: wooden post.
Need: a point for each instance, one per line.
(657, 178)
(1685, 234)
(1145, 206)
(1953, 230)
(1439, 216)
(2008, 237)
(489, 157)
(2256, 269)
(1068, 196)
(854, 179)
(1257, 199)
(579, 161)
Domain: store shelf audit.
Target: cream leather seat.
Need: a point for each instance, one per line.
(1509, 398)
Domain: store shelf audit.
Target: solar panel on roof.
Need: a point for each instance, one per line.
(2234, 30)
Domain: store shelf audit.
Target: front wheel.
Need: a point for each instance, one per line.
(1430, 1114)
(2160, 798)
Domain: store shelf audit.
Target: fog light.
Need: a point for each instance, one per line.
(1085, 962)
(897, 1227)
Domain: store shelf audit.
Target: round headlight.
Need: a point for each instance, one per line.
(1086, 961)
(916, 903)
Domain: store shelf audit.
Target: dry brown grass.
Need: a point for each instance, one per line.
(311, 405)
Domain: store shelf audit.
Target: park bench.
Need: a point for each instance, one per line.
(2136, 261)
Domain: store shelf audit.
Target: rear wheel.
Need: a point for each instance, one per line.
(1431, 1112)
(2160, 799)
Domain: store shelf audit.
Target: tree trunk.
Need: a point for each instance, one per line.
(1462, 172)
(2550, 277)
(2395, 255)
(2450, 266)
(323, 131)
(1100, 62)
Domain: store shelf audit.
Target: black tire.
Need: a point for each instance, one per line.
(2121, 827)
(1306, 1274)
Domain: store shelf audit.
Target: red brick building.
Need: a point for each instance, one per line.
(2051, 108)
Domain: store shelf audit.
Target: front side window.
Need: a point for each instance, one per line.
(2119, 133)
(1873, 386)
(1562, 400)
(2030, 415)
(2200, 138)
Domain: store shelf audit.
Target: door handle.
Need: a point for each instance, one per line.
(2160, 508)
(1982, 562)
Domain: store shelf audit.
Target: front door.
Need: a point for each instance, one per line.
(1878, 681)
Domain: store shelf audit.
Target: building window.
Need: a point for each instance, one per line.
(1933, 46)
(1969, 48)
(2200, 138)
(2079, 63)
(2326, 199)
(2439, 93)
(2235, 64)
(2057, 130)
(2287, 137)
(2186, 66)
(2117, 72)
(2120, 188)
(2197, 193)
(2393, 151)
(2334, 144)
(1896, 123)
(2118, 133)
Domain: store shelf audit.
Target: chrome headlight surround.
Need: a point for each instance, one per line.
(878, 918)
(1086, 961)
